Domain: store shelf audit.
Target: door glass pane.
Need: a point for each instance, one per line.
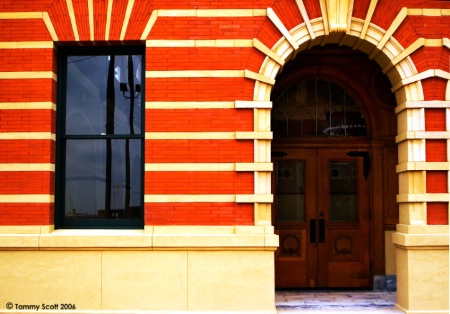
(103, 179)
(290, 191)
(343, 191)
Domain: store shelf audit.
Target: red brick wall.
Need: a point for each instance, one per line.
(437, 213)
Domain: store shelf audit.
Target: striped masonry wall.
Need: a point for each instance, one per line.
(209, 72)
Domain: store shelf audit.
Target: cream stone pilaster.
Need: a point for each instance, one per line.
(262, 215)
(421, 250)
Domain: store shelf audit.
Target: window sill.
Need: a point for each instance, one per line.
(152, 238)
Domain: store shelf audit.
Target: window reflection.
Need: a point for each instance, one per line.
(89, 94)
(88, 194)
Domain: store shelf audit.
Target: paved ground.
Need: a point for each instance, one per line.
(293, 301)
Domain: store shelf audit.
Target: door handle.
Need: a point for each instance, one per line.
(312, 231)
(321, 230)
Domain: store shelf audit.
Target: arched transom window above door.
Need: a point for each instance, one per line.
(316, 108)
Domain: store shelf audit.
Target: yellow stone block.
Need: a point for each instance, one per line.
(231, 281)
(144, 280)
(37, 277)
(422, 280)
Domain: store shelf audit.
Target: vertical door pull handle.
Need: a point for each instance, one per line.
(312, 231)
(321, 230)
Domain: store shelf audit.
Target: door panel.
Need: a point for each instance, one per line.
(321, 214)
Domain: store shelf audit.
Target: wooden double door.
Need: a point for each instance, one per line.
(322, 216)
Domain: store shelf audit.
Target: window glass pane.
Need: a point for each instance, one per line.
(343, 191)
(104, 91)
(103, 179)
(290, 194)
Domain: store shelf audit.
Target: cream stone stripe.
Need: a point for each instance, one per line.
(238, 104)
(281, 27)
(446, 42)
(126, 19)
(369, 15)
(108, 19)
(27, 136)
(254, 135)
(422, 104)
(428, 12)
(26, 44)
(421, 76)
(73, 20)
(391, 30)
(418, 135)
(213, 13)
(222, 43)
(254, 198)
(208, 167)
(207, 198)
(404, 12)
(28, 75)
(20, 15)
(189, 105)
(91, 19)
(207, 135)
(27, 167)
(27, 105)
(349, 24)
(304, 14)
(253, 104)
(32, 15)
(210, 74)
(151, 21)
(419, 198)
(350, 15)
(49, 24)
(422, 166)
(264, 49)
(258, 77)
(420, 42)
(323, 9)
(26, 198)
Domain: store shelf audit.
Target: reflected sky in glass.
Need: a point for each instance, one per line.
(86, 94)
(94, 190)
(86, 176)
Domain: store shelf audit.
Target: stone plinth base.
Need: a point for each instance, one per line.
(160, 271)
(422, 269)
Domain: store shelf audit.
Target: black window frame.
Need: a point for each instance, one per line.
(63, 52)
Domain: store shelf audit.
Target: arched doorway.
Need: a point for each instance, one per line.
(333, 151)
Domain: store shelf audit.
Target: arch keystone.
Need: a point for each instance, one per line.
(337, 13)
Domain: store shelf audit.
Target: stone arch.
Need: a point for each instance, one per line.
(401, 74)
(377, 44)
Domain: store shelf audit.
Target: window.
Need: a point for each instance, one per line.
(100, 137)
(316, 108)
